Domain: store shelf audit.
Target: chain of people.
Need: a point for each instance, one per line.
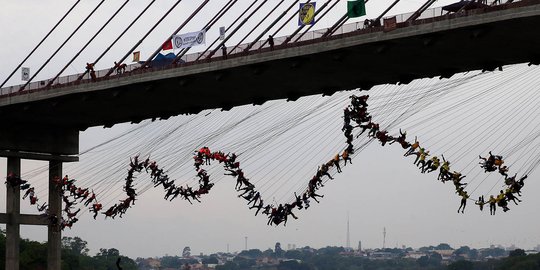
(355, 115)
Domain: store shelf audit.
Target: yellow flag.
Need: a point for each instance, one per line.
(136, 56)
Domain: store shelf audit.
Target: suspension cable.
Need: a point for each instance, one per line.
(118, 38)
(283, 25)
(236, 29)
(302, 26)
(39, 44)
(61, 46)
(176, 31)
(256, 26)
(320, 17)
(228, 28)
(207, 26)
(144, 37)
(87, 43)
(271, 25)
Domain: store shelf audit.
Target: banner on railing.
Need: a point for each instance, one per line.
(188, 40)
(306, 14)
(390, 24)
(25, 74)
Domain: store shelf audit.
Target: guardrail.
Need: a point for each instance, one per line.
(357, 28)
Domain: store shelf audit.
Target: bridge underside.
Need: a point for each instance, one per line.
(440, 48)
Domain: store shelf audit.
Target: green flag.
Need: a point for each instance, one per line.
(356, 8)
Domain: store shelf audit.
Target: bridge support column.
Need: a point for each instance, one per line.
(13, 210)
(54, 243)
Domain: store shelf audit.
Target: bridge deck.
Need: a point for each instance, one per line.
(440, 46)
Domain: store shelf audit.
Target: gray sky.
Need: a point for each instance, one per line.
(381, 189)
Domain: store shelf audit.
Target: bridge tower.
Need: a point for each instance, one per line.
(55, 145)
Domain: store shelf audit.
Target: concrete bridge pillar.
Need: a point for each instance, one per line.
(13, 210)
(54, 243)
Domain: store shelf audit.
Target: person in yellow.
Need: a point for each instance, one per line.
(444, 171)
(502, 202)
(435, 163)
(464, 197)
(456, 178)
(492, 205)
(421, 157)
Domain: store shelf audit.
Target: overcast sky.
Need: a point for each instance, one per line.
(382, 189)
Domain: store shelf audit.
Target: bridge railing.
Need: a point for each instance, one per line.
(428, 16)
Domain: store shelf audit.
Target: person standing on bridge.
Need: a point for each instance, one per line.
(224, 51)
(90, 69)
(271, 42)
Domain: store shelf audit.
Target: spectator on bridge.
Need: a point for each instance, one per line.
(90, 69)
(224, 51)
(120, 68)
(271, 42)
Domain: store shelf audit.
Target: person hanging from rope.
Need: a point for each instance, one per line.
(464, 197)
(374, 129)
(518, 185)
(335, 161)
(345, 156)
(413, 148)
(434, 164)
(421, 157)
(510, 196)
(383, 137)
(444, 171)
(492, 205)
(91, 199)
(298, 201)
(323, 170)
(29, 192)
(14, 180)
(502, 202)
(503, 171)
(305, 200)
(96, 207)
(259, 207)
(42, 207)
(456, 179)
(365, 127)
(480, 202)
(402, 140)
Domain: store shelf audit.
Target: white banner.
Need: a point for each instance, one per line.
(189, 40)
(25, 74)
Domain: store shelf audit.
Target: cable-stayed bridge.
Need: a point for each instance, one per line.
(44, 117)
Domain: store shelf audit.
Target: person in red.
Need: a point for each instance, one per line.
(96, 207)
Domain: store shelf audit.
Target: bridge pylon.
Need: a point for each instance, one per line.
(16, 148)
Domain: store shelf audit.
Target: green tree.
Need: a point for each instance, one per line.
(75, 245)
(517, 253)
(461, 265)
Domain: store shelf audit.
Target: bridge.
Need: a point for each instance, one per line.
(44, 121)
